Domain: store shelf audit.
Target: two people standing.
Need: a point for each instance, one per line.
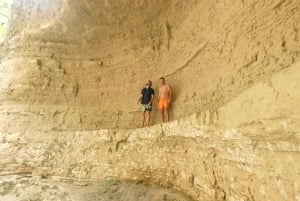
(164, 100)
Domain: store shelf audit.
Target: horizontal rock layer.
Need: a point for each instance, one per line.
(71, 72)
(253, 160)
(80, 65)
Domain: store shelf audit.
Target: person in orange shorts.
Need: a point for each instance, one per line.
(164, 99)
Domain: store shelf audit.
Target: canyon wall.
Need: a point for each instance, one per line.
(71, 73)
(81, 65)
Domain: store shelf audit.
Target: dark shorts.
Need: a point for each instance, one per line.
(146, 107)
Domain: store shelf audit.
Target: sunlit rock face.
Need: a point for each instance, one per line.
(71, 73)
(77, 57)
(81, 64)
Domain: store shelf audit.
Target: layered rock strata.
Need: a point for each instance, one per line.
(251, 158)
(80, 65)
(71, 72)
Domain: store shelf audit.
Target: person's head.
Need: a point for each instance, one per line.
(148, 83)
(162, 80)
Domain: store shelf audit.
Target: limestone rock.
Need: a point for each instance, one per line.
(71, 72)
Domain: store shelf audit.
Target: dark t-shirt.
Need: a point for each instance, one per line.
(146, 95)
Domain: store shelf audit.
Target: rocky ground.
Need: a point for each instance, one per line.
(28, 188)
(71, 73)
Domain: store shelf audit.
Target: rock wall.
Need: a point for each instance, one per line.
(253, 160)
(75, 60)
(81, 65)
(71, 72)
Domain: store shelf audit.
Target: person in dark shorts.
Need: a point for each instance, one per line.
(146, 99)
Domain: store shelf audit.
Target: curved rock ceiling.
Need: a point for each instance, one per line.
(84, 62)
(82, 46)
(71, 73)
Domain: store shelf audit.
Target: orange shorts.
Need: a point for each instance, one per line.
(163, 103)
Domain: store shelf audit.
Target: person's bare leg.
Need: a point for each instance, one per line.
(167, 114)
(146, 117)
(149, 117)
(143, 119)
(162, 115)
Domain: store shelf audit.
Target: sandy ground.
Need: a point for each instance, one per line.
(22, 188)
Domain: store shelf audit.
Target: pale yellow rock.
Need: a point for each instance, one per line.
(71, 72)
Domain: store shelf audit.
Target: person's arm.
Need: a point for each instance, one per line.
(170, 93)
(150, 102)
(158, 98)
(139, 100)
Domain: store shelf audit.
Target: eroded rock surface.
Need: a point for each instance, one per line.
(18, 188)
(80, 65)
(71, 72)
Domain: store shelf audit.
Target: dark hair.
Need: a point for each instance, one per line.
(162, 78)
